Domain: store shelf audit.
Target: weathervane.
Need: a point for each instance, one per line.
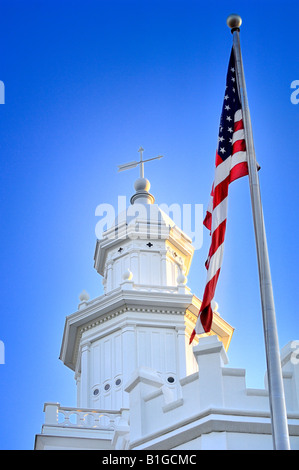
(128, 166)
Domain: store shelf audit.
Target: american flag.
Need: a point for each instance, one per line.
(231, 163)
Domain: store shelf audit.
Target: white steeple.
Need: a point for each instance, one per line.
(146, 241)
(147, 312)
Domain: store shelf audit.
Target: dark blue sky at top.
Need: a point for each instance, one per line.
(87, 83)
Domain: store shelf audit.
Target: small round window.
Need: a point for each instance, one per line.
(96, 392)
(170, 380)
(118, 382)
(107, 387)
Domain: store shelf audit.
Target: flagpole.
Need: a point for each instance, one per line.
(279, 422)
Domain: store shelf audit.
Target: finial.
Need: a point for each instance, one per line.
(127, 275)
(84, 296)
(142, 184)
(142, 195)
(181, 279)
(234, 22)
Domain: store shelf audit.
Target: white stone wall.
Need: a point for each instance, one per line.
(215, 410)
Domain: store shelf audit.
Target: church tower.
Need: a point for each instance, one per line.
(146, 314)
(140, 385)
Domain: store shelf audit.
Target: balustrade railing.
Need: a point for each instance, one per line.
(57, 415)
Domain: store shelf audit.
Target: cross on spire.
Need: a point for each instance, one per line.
(141, 150)
(128, 166)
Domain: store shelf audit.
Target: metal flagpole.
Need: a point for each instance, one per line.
(279, 422)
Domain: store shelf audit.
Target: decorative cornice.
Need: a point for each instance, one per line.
(111, 315)
(108, 307)
(114, 314)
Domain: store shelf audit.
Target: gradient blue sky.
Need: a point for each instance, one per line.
(88, 82)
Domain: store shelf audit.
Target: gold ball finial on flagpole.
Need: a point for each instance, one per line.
(234, 22)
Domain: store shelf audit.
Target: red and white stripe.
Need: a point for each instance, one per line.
(226, 171)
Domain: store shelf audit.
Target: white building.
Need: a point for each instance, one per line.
(139, 383)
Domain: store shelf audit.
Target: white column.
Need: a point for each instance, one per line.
(109, 283)
(134, 266)
(85, 376)
(78, 385)
(163, 267)
(129, 357)
(181, 351)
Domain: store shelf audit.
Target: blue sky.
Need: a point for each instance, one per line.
(87, 83)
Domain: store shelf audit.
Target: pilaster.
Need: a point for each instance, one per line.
(85, 375)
